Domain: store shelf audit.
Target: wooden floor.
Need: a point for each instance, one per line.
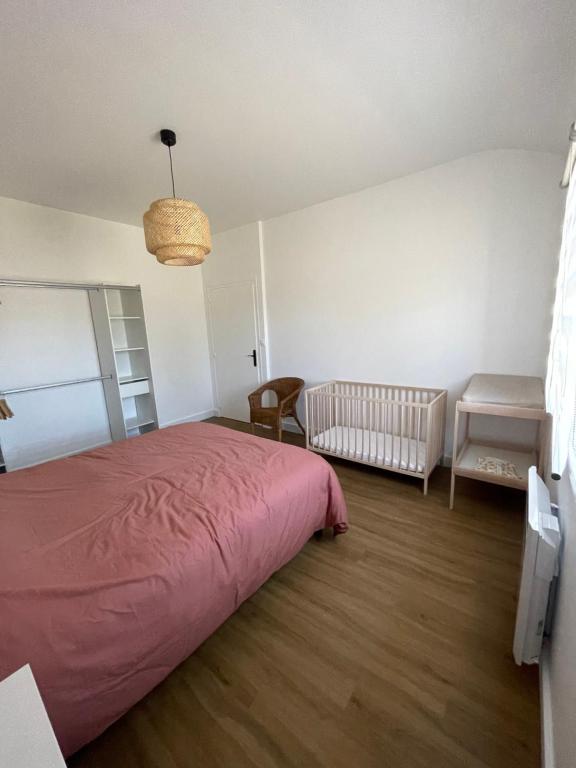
(389, 647)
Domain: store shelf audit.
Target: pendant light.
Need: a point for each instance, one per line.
(177, 231)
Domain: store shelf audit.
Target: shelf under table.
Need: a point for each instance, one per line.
(467, 461)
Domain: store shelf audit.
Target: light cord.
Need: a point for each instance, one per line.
(172, 172)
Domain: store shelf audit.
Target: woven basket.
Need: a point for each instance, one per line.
(177, 232)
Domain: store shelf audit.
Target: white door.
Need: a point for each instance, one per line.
(235, 349)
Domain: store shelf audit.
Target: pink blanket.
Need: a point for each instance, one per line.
(117, 563)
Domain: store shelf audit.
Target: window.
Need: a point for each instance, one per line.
(561, 379)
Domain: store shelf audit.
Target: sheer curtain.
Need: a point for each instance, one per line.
(561, 378)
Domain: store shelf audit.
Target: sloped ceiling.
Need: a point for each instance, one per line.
(277, 104)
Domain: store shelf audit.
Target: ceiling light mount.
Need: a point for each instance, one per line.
(167, 137)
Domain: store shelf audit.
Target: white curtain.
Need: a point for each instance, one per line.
(561, 378)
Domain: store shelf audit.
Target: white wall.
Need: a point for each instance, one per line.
(420, 281)
(235, 257)
(45, 243)
(562, 650)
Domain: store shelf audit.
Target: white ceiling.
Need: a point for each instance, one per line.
(278, 104)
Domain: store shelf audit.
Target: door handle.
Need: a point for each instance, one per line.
(254, 358)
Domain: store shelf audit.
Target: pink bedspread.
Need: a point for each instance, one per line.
(117, 563)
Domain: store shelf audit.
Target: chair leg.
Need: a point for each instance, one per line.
(279, 431)
(299, 423)
(253, 427)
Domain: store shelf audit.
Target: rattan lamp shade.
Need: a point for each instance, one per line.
(177, 232)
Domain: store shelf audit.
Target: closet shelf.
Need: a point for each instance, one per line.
(125, 317)
(128, 349)
(135, 422)
(131, 379)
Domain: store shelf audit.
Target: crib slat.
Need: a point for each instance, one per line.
(312, 423)
(348, 427)
(316, 430)
(417, 418)
(369, 424)
(361, 405)
(331, 402)
(408, 411)
(356, 426)
(402, 434)
(391, 413)
(394, 430)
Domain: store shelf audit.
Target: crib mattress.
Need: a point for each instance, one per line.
(374, 447)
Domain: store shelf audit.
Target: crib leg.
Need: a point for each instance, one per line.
(452, 489)
(426, 486)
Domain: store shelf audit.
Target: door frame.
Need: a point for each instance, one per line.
(262, 367)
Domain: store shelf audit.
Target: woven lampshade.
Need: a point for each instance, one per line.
(177, 232)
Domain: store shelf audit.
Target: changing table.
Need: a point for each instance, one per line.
(516, 397)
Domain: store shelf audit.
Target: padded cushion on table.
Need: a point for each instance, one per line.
(518, 391)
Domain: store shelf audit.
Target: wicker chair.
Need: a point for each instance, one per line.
(287, 391)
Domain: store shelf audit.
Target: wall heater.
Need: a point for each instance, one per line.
(540, 567)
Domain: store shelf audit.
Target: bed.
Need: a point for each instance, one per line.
(116, 564)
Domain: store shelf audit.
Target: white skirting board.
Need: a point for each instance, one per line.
(546, 720)
(66, 455)
(289, 425)
(200, 416)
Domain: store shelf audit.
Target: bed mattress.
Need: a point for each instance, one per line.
(116, 564)
(374, 447)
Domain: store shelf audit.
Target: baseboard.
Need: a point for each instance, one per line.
(66, 454)
(546, 720)
(200, 416)
(288, 425)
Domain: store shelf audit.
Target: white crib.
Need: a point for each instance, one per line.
(387, 426)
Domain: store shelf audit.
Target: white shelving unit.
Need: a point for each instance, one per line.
(120, 329)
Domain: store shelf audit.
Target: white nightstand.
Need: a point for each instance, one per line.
(26, 736)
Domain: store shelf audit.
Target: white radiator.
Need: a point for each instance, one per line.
(539, 570)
